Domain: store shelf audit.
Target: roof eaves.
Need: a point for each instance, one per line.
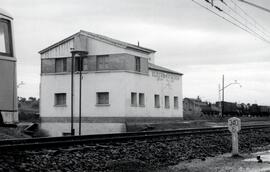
(162, 69)
(58, 43)
(117, 42)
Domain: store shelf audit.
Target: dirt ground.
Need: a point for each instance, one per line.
(224, 163)
(12, 133)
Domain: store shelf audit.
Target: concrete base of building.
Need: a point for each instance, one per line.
(55, 129)
(58, 126)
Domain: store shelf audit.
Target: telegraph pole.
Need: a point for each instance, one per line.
(80, 53)
(72, 85)
(80, 96)
(222, 102)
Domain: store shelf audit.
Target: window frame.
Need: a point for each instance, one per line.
(56, 102)
(105, 62)
(84, 64)
(63, 65)
(98, 103)
(175, 105)
(137, 64)
(141, 100)
(10, 36)
(167, 102)
(157, 101)
(133, 102)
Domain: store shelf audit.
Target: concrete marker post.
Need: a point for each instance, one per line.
(234, 126)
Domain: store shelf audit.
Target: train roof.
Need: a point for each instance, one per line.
(6, 14)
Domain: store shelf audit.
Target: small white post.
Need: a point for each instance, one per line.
(234, 126)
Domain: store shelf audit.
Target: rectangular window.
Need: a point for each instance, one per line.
(102, 98)
(175, 100)
(157, 101)
(60, 99)
(103, 62)
(137, 64)
(133, 99)
(167, 102)
(60, 65)
(81, 63)
(141, 99)
(5, 38)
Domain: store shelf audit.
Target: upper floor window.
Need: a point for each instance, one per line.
(60, 99)
(102, 62)
(60, 65)
(81, 62)
(137, 64)
(5, 38)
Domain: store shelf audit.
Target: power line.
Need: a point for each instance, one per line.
(254, 33)
(251, 18)
(229, 21)
(243, 24)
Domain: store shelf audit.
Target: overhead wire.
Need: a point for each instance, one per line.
(262, 28)
(243, 25)
(233, 23)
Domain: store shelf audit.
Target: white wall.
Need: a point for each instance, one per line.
(119, 84)
(150, 85)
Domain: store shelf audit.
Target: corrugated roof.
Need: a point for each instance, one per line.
(101, 38)
(162, 69)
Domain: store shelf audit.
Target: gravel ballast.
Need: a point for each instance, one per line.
(143, 155)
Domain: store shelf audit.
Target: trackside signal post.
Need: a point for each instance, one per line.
(234, 126)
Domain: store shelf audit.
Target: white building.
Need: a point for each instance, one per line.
(120, 84)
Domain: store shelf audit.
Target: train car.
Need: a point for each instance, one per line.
(264, 110)
(229, 108)
(8, 87)
(254, 110)
(210, 109)
(243, 109)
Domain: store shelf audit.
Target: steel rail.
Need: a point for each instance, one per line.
(56, 142)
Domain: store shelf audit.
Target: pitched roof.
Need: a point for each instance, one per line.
(162, 69)
(5, 13)
(101, 38)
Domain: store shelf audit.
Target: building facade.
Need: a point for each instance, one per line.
(120, 84)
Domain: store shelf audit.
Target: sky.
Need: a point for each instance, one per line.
(187, 38)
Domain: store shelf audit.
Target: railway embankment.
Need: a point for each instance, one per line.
(136, 155)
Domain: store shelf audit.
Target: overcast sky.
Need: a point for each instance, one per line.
(187, 38)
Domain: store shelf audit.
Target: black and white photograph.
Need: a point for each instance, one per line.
(135, 85)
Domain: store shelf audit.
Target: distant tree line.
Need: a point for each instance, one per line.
(28, 109)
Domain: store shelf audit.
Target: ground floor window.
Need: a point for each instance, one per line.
(133, 99)
(167, 102)
(141, 99)
(175, 99)
(157, 101)
(60, 99)
(102, 98)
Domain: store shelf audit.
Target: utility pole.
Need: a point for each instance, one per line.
(222, 102)
(73, 53)
(71, 94)
(223, 87)
(80, 96)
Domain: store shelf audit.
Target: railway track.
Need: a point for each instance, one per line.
(54, 142)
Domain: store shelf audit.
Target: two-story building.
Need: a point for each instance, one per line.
(120, 83)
